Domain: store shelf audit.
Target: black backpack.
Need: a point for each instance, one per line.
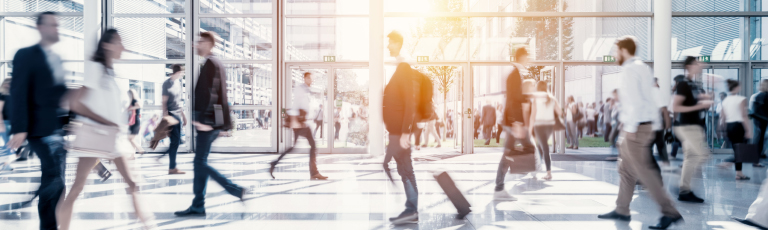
(425, 108)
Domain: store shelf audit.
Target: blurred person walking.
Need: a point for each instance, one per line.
(298, 122)
(39, 76)
(430, 131)
(757, 215)
(759, 107)
(5, 127)
(489, 121)
(544, 112)
(606, 110)
(172, 95)
(134, 121)
(664, 123)
(211, 116)
(98, 104)
(319, 121)
(733, 115)
(499, 128)
(692, 105)
(572, 119)
(638, 114)
(514, 118)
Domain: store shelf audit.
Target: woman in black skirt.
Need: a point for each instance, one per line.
(134, 123)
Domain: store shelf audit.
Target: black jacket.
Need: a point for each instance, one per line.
(400, 98)
(760, 108)
(489, 115)
(36, 99)
(206, 96)
(513, 110)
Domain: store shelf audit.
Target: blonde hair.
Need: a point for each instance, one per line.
(529, 86)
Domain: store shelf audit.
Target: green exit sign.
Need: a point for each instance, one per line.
(329, 58)
(609, 58)
(422, 59)
(704, 58)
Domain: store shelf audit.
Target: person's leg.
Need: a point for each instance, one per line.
(337, 127)
(122, 167)
(52, 186)
(417, 136)
(200, 180)
(735, 132)
(175, 136)
(312, 151)
(626, 183)
(498, 133)
(543, 133)
(405, 169)
(64, 209)
(205, 148)
(696, 153)
(509, 145)
(661, 146)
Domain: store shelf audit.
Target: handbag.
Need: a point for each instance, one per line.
(132, 119)
(559, 126)
(522, 163)
(95, 139)
(746, 153)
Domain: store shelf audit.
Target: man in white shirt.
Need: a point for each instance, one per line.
(638, 114)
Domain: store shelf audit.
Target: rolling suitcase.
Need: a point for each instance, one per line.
(456, 197)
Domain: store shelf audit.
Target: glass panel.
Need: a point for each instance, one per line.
(326, 7)
(757, 76)
(249, 84)
(251, 128)
(350, 114)
(236, 7)
(513, 5)
(591, 38)
(314, 38)
(319, 91)
(496, 38)
(758, 34)
(21, 32)
(719, 37)
(708, 5)
(425, 6)
(148, 79)
(42, 6)
(590, 87)
(241, 38)
(149, 120)
(607, 5)
(152, 38)
(148, 6)
(441, 39)
(758, 5)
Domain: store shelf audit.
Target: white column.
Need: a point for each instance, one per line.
(376, 82)
(91, 33)
(662, 39)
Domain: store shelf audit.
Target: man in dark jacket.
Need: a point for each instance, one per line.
(489, 120)
(513, 118)
(39, 75)
(400, 98)
(760, 115)
(210, 116)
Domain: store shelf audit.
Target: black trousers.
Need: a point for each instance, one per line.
(318, 125)
(760, 138)
(661, 147)
(306, 133)
(736, 135)
(52, 156)
(498, 133)
(417, 134)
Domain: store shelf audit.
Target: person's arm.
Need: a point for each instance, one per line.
(183, 118)
(203, 95)
(77, 106)
(2, 119)
(408, 90)
(20, 87)
(558, 109)
(666, 117)
(678, 107)
(745, 120)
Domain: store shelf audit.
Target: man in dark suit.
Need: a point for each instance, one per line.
(38, 83)
(210, 116)
(489, 120)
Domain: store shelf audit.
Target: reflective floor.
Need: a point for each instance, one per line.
(358, 196)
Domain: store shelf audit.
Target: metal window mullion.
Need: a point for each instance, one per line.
(519, 14)
(327, 16)
(34, 14)
(276, 70)
(238, 61)
(174, 15)
(192, 24)
(721, 14)
(748, 67)
(234, 15)
(159, 61)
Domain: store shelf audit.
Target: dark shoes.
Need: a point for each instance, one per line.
(189, 212)
(272, 169)
(750, 223)
(665, 222)
(405, 218)
(613, 215)
(689, 197)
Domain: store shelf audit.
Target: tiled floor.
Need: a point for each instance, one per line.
(358, 196)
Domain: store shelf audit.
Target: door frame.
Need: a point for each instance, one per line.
(286, 135)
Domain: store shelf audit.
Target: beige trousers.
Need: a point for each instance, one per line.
(694, 141)
(635, 164)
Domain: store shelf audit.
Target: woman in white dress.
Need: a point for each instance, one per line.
(100, 102)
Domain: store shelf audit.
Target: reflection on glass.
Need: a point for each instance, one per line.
(425, 6)
(708, 5)
(317, 105)
(148, 121)
(607, 5)
(496, 38)
(513, 6)
(236, 7)
(758, 34)
(20, 32)
(326, 7)
(147, 80)
(251, 128)
(249, 84)
(152, 38)
(757, 76)
(591, 38)
(314, 38)
(241, 38)
(441, 38)
(148, 7)
(591, 83)
(350, 111)
(42, 6)
(719, 37)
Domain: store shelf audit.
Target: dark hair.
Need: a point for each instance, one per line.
(519, 52)
(395, 36)
(607, 99)
(732, 84)
(176, 68)
(628, 43)
(209, 36)
(689, 60)
(306, 74)
(541, 86)
(40, 16)
(656, 79)
(100, 55)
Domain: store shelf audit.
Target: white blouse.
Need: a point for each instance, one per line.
(731, 106)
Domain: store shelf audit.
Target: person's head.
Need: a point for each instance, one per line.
(733, 87)
(764, 85)
(529, 85)
(615, 95)
(308, 78)
(521, 55)
(110, 47)
(692, 65)
(178, 70)
(625, 48)
(206, 43)
(570, 99)
(541, 86)
(48, 26)
(395, 43)
(608, 100)
(133, 95)
(5, 88)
